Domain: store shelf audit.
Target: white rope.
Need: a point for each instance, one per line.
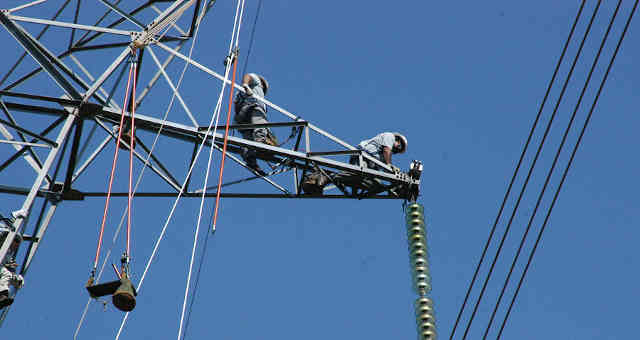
(164, 228)
(206, 179)
(239, 23)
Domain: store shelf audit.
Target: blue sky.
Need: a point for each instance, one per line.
(463, 81)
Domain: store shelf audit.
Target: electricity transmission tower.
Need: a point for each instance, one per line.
(60, 113)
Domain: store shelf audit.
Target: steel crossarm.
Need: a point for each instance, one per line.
(302, 160)
(232, 195)
(182, 131)
(190, 133)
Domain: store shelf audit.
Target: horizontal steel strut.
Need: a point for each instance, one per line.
(193, 134)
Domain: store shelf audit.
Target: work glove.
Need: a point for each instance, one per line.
(17, 280)
(247, 90)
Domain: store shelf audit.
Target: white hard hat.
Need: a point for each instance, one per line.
(403, 140)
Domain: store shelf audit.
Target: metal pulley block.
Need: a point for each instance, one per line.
(122, 291)
(125, 296)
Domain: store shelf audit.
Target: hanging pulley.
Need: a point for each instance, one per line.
(122, 290)
(125, 296)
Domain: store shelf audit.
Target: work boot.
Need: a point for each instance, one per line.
(5, 301)
(271, 139)
(249, 156)
(314, 183)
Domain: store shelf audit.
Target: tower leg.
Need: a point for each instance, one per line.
(28, 202)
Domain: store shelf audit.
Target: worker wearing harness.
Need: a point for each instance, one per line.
(382, 147)
(250, 110)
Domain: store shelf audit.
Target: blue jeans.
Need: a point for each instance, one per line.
(252, 115)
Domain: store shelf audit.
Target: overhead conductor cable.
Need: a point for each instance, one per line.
(553, 165)
(515, 172)
(566, 171)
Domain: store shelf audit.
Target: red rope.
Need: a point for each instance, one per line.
(224, 145)
(113, 168)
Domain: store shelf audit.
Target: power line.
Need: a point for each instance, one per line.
(544, 187)
(531, 168)
(566, 171)
(515, 173)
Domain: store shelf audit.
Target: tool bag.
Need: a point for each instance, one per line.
(314, 183)
(271, 139)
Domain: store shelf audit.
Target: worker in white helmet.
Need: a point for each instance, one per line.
(250, 110)
(382, 147)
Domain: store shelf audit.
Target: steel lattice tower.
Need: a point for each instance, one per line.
(55, 132)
